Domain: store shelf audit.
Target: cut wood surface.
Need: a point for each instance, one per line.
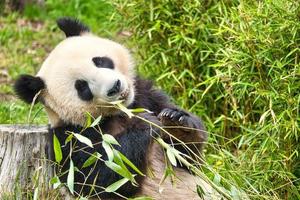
(24, 157)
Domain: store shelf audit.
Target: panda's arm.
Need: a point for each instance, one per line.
(134, 143)
(186, 126)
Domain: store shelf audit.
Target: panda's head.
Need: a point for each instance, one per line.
(84, 73)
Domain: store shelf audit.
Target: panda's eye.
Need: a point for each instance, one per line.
(103, 62)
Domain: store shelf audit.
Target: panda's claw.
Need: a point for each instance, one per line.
(180, 119)
(161, 114)
(173, 116)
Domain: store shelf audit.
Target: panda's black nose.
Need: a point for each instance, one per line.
(115, 89)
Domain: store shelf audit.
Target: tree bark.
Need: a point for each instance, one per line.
(25, 152)
(25, 163)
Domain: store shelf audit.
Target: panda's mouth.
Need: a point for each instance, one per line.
(124, 95)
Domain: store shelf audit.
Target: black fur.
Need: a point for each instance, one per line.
(83, 90)
(71, 27)
(103, 62)
(179, 117)
(27, 86)
(134, 141)
(189, 129)
(135, 136)
(148, 97)
(115, 89)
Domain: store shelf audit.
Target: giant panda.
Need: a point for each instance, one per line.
(83, 74)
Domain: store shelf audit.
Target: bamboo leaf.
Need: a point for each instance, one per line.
(36, 194)
(118, 169)
(57, 149)
(55, 182)
(108, 150)
(84, 139)
(116, 185)
(88, 120)
(171, 157)
(69, 138)
(200, 192)
(70, 178)
(217, 179)
(130, 164)
(140, 110)
(110, 139)
(91, 160)
(125, 110)
(96, 121)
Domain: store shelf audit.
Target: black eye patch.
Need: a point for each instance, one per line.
(83, 90)
(103, 62)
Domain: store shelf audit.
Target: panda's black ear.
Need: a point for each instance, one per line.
(27, 86)
(71, 27)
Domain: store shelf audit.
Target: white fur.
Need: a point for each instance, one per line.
(183, 186)
(72, 60)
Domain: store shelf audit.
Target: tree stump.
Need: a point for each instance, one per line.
(25, 152)
(26, 167)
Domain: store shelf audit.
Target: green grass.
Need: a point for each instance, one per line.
(234, 63)
(26, 39)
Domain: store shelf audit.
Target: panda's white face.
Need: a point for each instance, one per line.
(83, 74)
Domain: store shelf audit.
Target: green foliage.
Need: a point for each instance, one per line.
(98, 14)
(91, 160)
(116, 161)
(236, 64)
(57, 149)
(17, 113)
(116, 185)
(70, 179)
(26, 38)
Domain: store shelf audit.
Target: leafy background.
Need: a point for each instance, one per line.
(233, 63)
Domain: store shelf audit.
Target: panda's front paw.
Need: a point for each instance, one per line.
(175, 117)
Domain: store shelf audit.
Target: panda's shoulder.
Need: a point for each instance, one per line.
(143, 85)
(148, 96)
